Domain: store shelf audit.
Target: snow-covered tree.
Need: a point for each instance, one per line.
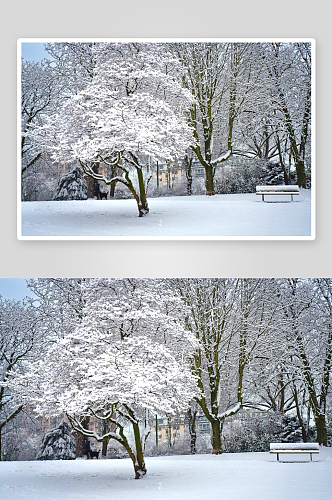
(289, 431)
(41, 92)
(306, 356)
(252, 100)
(131, 114)
(72, 186)
(325, 295)
(20, 339)
(60, 303)
(58, 444)
(288, 66)
(21, 437)
(232, 320)
(73, 64)
(38, 185)
(224, 80)
(127, 358)
(39, 95)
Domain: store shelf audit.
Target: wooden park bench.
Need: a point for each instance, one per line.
(280, 448)
(277, 190)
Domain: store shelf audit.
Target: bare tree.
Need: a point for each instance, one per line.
(231, 318)
(20, 340)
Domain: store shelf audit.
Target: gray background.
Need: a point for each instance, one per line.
(159, 18)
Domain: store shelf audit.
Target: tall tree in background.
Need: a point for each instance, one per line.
(231, 319)
(60, 308)
(308, 342)
(74, 63)
(40, 90)
(60, 303)
(288, 67)
(325, 288)
(21, 339)
(41, 93)
(222, 78)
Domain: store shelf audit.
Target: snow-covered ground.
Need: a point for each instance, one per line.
(234, 216)
(238, 476)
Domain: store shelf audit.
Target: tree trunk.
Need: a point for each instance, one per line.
(104, 449)
(189, 179)
(189, 185)
(80, 438)
(112, 186)
(143, 207)
(139, 470)
(209, 180)
(300, 173)
(299, 416)
(192, 430)
(281, 160)
(112, 190)
(321, 429)
(91, 182)
(139, 466)
(105, 443)
(216, 437)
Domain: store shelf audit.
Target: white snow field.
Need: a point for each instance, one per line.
(238, 476)
(237, 216)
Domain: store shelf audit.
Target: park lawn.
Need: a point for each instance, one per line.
(237, 216)
(236, 476)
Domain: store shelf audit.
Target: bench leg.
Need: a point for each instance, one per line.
(278, 457)
(262, 197)
(292, 197)
(311, 457)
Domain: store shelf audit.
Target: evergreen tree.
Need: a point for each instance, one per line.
(58, 444)
(72, 186)
(290, 431)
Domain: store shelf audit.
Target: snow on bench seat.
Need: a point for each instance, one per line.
(294, 448)
(277, 190)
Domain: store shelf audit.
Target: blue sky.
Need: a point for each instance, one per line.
(14, 288)
(33, 51)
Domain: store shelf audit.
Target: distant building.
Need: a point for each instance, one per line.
(168, 173)
(202, 423)
(48, 423)
(169, 429)
(238, 162)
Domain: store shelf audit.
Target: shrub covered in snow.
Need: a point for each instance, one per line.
(226, 181)
(245, 179)
(58, 444)
(247, 436)
(36, 188)
(289, 431)
(72, 186)
(257, 433)
(178, 187)
(17, 444)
